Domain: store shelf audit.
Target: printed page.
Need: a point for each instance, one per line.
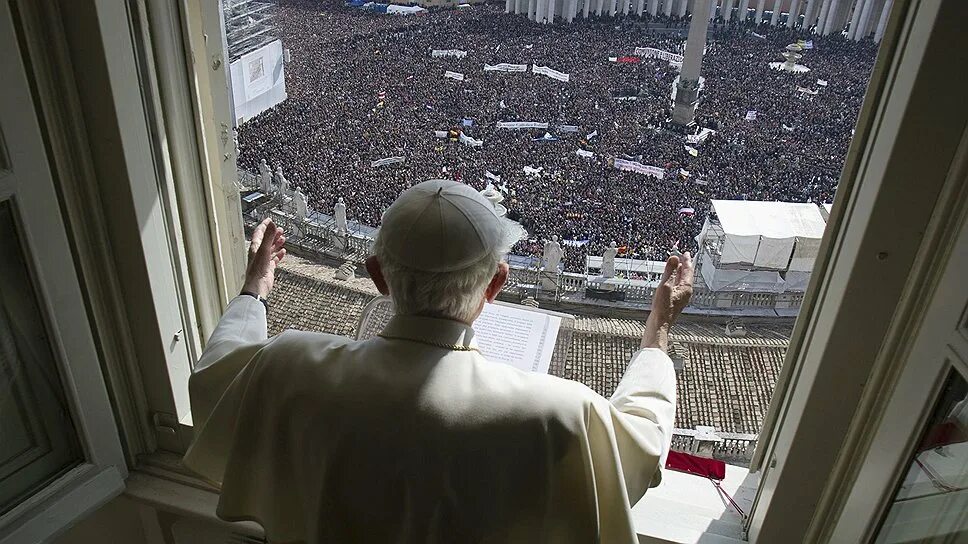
(521, 338)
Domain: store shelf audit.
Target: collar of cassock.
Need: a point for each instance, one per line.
(441, 333)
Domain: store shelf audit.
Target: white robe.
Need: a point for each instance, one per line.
(323, 439)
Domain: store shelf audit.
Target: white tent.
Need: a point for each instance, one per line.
(770, 235)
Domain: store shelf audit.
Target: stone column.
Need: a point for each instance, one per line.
(625, 7)
(882, 22)
(667, 7)
(712, 9)
(743, 11)
(808, 18)
(822, 19)
(727, 10)
(873, 18)
(683, 4)
(865, 16)
(687, 92)
(758, 18)
(855, 18)
(653, 7)
(775, 17)
(794, 14)
(612, 6)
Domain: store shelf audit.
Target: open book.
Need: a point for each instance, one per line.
(516, 335)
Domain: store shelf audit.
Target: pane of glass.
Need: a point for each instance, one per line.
(38, 441)
(592, 129)
(931, 504)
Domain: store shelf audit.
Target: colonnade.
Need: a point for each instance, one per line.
(865, 17)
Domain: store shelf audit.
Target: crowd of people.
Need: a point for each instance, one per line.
(363, 86)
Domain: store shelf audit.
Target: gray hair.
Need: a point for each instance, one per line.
(451, 295)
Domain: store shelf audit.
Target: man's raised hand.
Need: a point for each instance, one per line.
(266, 251)
(671, 296)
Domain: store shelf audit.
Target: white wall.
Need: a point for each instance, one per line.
(258, 81)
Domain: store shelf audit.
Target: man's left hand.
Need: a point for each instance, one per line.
(266, 251)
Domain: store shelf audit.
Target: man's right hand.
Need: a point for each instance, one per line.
(266, 251)
(671, 296)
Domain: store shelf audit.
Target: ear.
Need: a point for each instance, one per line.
(376, 274)
(497, 282)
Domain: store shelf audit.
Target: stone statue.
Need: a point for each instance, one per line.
(339, 212)
(552, 254)
(282, 184)
(265, 178)
(608, 261)
(299, 204)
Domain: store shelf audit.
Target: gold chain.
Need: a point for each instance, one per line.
(454, 347)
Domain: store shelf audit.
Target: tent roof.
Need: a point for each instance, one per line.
(769, 219)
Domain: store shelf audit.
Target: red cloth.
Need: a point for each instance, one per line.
(630, 60)
(693, 464)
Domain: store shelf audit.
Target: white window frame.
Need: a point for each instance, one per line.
(165, 42)
(848, 333)
(33, 186)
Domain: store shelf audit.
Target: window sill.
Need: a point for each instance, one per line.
(687, 509)
(683, 509)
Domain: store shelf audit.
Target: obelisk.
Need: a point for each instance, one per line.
(687, 88)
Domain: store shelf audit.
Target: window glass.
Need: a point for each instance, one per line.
(38, 441)
(930, 503)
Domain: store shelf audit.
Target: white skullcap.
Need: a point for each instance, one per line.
(441, 226)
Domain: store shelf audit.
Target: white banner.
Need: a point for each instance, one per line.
(585, 154)
(454, 75)
(591, 135)
(440, 133)
(550, 72)
(530, 171)
(751, 115)
(701, 137)
(386, 161)
(470, 142)
(521, 124)
(492, 176)
(632, 166)
(568, 128)
(807, 91)
(448, 53)
(653, 53)
(822, 82)
(505, 67)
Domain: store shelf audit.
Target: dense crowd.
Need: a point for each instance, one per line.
(363, 86)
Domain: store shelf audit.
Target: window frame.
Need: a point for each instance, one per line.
(45, 237)
(181, 69)
(845, 339)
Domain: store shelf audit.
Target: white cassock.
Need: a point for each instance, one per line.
(398, 439)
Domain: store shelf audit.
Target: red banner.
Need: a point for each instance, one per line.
(629, 60)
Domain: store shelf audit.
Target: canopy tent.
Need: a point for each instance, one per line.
(753, 281)
(770, 235)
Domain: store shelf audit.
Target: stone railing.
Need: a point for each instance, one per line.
(734, 448)
(317, 234)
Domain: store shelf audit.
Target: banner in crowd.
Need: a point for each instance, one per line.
(584, 154)
(521, 124)
(550, 72)
(546, 138)
(440, 133)
(760, 36)
(505, 67)
(467, 122)
(568, 128)
(625, 60)
(470, 142)
(701, 137)
(386, 161)
(692, 151)
(822, 82)
(454, 75)
(751, 115)
(492, 176)
(807, 91)
(787, 128)
(633, 166)
(448, 53)
(653, 53)
(591, 135)
(575, 243)
(531, 171)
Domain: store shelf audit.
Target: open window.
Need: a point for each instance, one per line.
(201, 92)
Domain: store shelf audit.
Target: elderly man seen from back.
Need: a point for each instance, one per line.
(413, 436)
